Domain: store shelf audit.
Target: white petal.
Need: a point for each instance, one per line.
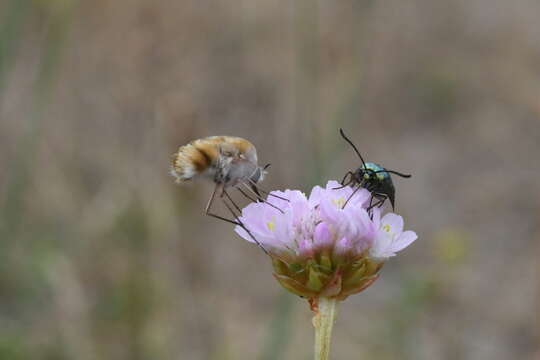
(394, 221)
(404, 240)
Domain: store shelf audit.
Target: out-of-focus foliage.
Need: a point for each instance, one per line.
(103, 257)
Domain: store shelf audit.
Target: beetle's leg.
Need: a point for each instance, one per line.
(358, 187)
(343, 183)
(381, 198)
(349, 173)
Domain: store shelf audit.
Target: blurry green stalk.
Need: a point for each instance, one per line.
(323, 321)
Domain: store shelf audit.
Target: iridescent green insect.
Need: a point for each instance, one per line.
(372, 177)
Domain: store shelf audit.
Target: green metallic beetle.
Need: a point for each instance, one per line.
(372, 177)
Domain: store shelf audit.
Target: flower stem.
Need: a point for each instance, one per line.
(323, 321)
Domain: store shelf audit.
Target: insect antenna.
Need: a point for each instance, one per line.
(394, 172)
(353, 146)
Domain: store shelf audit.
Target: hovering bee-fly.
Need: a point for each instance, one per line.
(228, 161)
(372, 177)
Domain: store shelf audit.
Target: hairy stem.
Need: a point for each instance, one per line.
(323, 321)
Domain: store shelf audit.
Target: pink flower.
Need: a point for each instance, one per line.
(325, 244)
(291, 233)
(390, 237)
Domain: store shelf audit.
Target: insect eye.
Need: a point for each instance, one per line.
(227, 153)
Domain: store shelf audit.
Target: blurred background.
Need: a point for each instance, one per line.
(102, 256)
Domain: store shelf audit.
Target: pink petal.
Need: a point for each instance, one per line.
(322, 237)
(328, 211)
(364, 225)
(332, 184)
(305, 249)
(376, 217)
(404, 240)
(343, 247)
(395, 222)
(315, 196)
(243, 233)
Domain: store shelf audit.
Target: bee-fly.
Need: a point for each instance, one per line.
(372, 177)
(228, 161)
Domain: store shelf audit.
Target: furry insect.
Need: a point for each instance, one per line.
(372, 177)
(228, 161)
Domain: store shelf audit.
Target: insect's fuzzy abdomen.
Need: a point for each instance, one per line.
(194, 159)
(223, 159)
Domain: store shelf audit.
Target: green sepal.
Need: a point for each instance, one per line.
(361, 286)
(280, 267)
(295, 287)
(325, 260)
(316, 279)
(355, 274)
(333, 286)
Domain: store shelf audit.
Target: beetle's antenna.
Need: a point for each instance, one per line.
(394, 172)
(353, 146)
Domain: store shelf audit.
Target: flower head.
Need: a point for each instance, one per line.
(325, 244)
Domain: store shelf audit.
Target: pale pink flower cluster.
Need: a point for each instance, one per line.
(329, 221)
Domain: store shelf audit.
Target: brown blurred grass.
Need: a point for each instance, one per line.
(101, 256)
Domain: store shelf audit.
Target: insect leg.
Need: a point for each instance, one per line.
(211, 202)
(379, 203)
(232, 202)
(255, 191)
(370, 201)
(246, 195)
(239, 222)
(381, 198)
(344, 185)
(261, 199)
(265, 191)
(349, 173)
(358, 187)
